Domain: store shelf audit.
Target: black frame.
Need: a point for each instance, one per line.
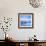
(25, 14)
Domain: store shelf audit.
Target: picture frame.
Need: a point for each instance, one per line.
(25, 20)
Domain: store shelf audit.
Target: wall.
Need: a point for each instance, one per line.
(45, 28)
(11, 8)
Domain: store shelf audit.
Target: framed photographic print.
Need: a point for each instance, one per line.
(25, 20)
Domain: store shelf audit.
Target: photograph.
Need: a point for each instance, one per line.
(25, 20)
